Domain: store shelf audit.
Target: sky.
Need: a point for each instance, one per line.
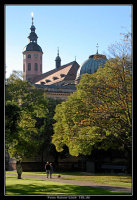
(75, 29)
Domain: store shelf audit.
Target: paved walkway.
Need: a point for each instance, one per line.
(80, 183)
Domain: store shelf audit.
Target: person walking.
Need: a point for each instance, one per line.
(51, 170)
(47, 168)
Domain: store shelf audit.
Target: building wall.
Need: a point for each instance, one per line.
(32, 73)
(57, 96)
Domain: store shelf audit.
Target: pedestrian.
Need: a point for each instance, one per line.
(51, 170)
(47, 168)
(19, 169)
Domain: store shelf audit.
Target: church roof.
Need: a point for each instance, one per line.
(57, 87)
(32, 46)
(91, 65)
(63, 73)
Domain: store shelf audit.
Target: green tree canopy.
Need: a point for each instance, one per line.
(25, 104)
(99, 113)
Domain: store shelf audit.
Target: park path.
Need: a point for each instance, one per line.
(80, 183)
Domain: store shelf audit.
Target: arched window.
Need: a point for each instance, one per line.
(29, 66)
(29, 55)
(36, 67)
(24, 68)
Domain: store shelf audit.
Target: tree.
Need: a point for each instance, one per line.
(99, 113)
(45, 126)
(33, 123)
(12, 118)
(28, 104)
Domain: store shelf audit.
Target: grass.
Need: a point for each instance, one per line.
(32, 186)
(125, 181)
(43, 173)
(27, 173)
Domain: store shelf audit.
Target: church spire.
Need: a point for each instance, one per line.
(32, 36)
(32, 17)
(58, 52)
(97, 48)
(32, 55)
(58, 59)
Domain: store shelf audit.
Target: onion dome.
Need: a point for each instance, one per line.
(91, 65)
(32, 46)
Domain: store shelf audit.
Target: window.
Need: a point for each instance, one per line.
(29, 55)
(35, 55)
(29, 66)
(62, 75)
(24, 68)
(36, 67)
(42, 82)
(47, 80)
(55, 78)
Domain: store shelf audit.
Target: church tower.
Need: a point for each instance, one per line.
(32, 56)
(58, 60)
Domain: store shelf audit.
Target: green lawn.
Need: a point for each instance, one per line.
(32, 186)
(119, 180)
(124, 181)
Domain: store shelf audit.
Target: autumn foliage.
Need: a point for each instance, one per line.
(99, 113)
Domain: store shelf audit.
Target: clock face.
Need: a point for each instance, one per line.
(35, 55)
